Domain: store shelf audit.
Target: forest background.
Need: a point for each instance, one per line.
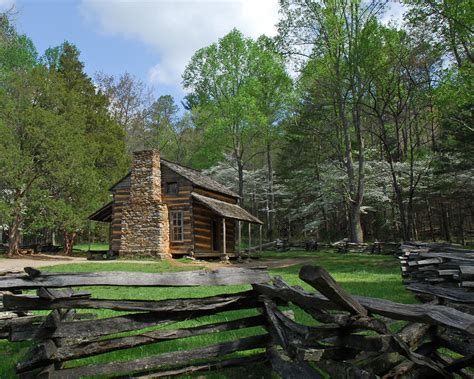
(341, 126)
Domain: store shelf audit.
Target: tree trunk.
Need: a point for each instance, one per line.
(69, 238)
(357, 234)
(445, 223)
(430, 220)
(240, 170)
(461, 226)
(270, 194)
(355, 228)
(14, 233)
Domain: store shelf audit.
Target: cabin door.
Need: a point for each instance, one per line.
(215, 235)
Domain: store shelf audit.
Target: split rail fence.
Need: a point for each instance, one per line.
(352, 336)
(439, 272)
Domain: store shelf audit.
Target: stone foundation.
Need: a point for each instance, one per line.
(145, 223)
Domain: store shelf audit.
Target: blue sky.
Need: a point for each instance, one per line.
(49, 23)
(151, 39)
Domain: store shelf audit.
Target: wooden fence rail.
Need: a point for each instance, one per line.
(351, 337)
(439, 272)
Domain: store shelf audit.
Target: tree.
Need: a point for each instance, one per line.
(96, 155)
(399, 99)
(33, 141)
(226, 82)
(16, 51)
(336, 36)
(449, 23)
(162, 118)
(130, 101)
(59, 148)
(274, 93)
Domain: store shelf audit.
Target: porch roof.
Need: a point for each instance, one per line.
(226, 210)
(104, 214)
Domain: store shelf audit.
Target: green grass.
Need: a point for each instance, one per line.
(361, 274)
(92, 246)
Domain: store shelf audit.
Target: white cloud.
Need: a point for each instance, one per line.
(176, 29)
(6, 5)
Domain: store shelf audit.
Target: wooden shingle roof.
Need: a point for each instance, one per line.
(198, 179)
(194, 176)
(226, 210)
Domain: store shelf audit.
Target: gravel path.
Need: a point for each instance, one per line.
(39, 261)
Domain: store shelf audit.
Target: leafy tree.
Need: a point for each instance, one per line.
(96, 155)
(30, 138)
(337, 36)
(16, 51)
(226, 81)
(162, 118)
(449, 23)
(130, 101)
(59, 148)
(401, 82)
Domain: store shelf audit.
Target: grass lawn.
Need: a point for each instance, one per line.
(361, 274)
(92, 246)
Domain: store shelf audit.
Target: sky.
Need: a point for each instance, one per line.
(151, 39)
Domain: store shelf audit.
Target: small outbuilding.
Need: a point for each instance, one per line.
(164, 209)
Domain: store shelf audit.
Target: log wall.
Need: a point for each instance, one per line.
(203, 219)
(182, 202)
(197, 218)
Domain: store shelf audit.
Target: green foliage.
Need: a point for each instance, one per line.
(455, 98)
(16, 51)
(446, 23)
(238, 94)
(59, 148)
(95, 156)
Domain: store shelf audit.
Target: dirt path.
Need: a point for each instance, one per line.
(38, 261)
(52, 260)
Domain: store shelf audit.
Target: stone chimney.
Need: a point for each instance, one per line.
(145, 224)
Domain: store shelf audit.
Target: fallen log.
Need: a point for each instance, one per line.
(289, 369)
(345, 370)
(455, 294)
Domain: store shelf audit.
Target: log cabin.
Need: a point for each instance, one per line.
(163, 209)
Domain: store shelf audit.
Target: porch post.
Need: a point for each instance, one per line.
(224, 256)
(260, 237)
(89, 234)
(239, 237)
(250, 237)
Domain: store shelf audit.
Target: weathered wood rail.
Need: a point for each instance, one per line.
(384, 248)
(439, 272)
(350, 338)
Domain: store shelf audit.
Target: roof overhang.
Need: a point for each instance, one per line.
(104, 214)
(226, 210)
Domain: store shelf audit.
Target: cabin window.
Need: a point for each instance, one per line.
(177, 225)
(172, 188)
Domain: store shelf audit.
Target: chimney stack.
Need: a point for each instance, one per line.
(145, 224)
(146, 176)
